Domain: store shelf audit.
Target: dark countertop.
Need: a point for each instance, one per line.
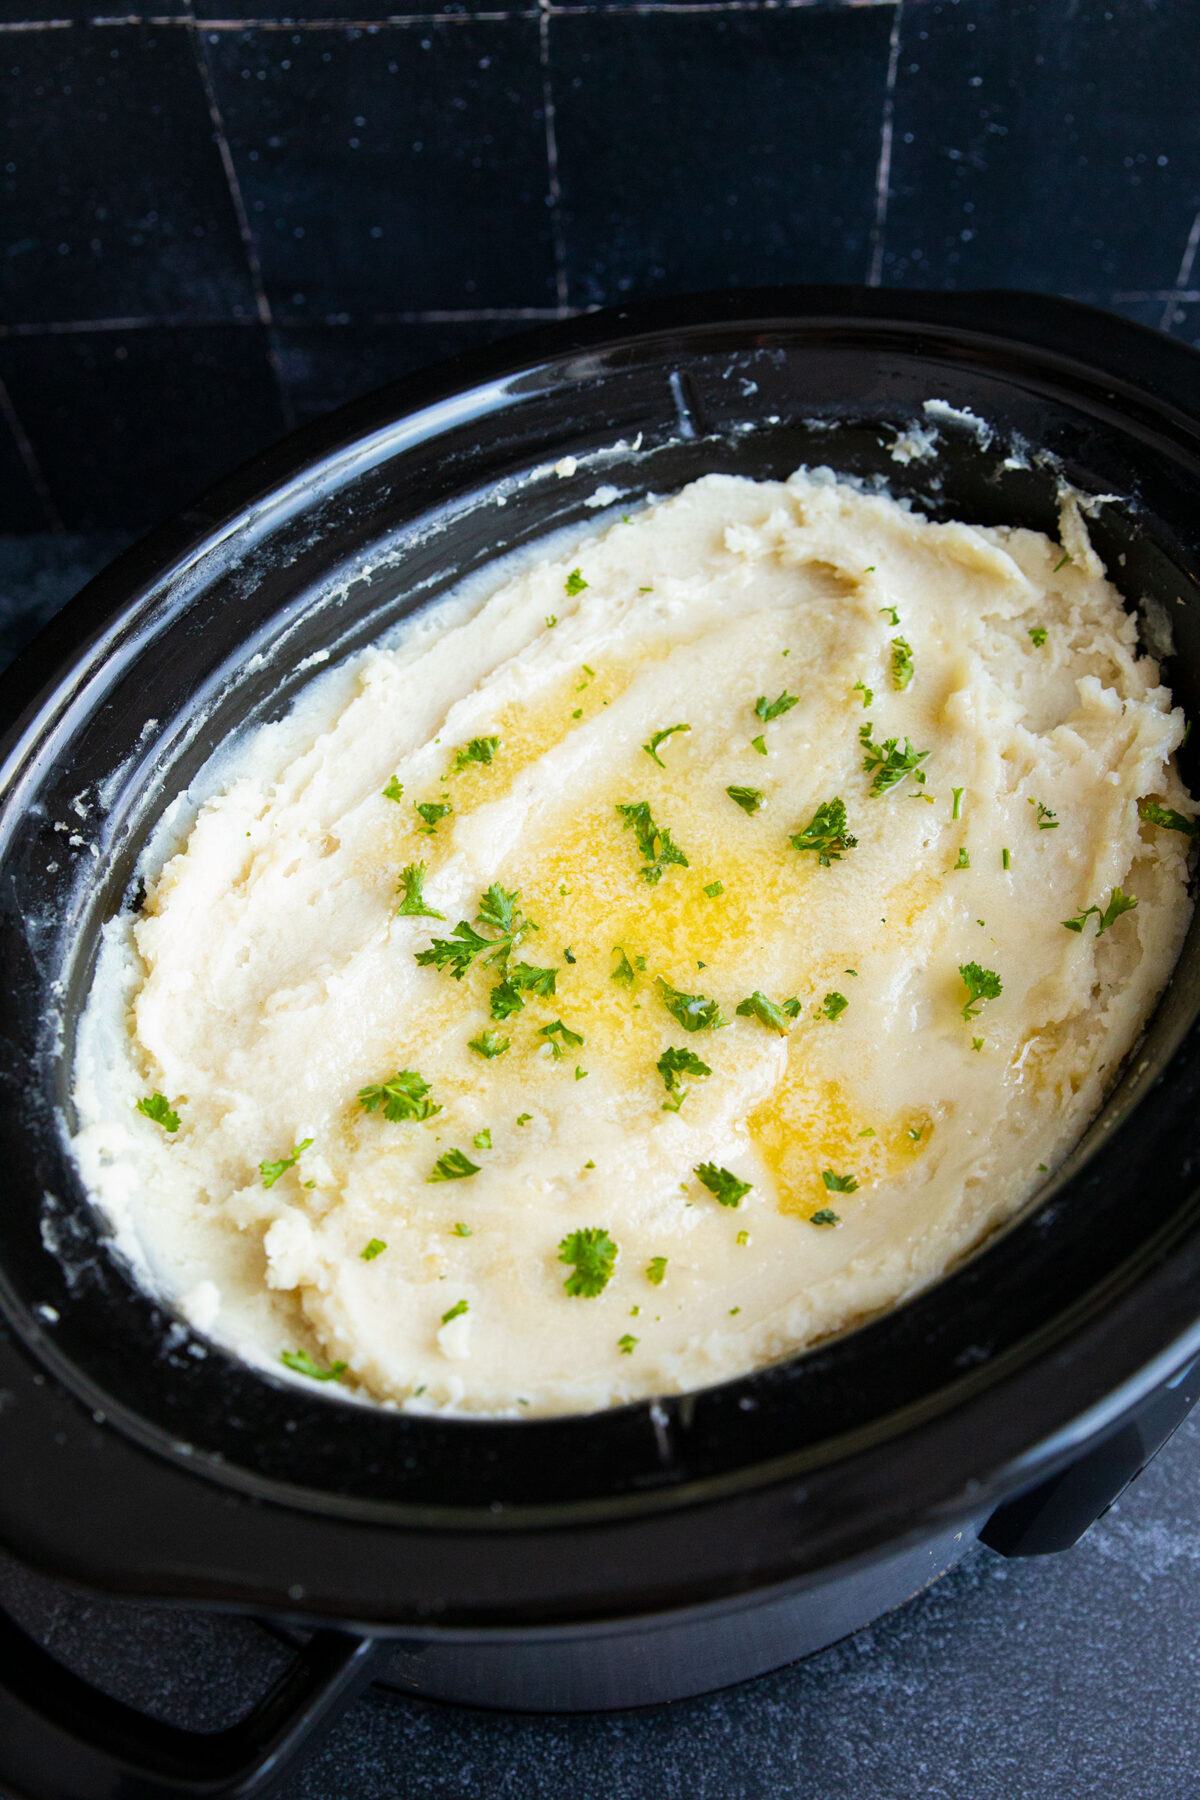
(1062, 1676)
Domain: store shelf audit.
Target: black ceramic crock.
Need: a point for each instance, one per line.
(652, 1550)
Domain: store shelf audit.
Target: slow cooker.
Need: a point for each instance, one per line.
(654, 1550)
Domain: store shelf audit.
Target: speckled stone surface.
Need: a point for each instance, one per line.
(1049, 1679)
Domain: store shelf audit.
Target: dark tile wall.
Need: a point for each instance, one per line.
(227, 216)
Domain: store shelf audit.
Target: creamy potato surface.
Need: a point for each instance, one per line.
(695, 948)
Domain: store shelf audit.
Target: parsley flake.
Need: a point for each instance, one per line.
(480, 750)
(454, 1165)
(981, 984)
(593, 1257)
(660, 737)
(958, 794)
(271, 1171)
(714, 889)
(552, 618)
(722, 1184)
(413, 906)
(889, 763)
(656, 1268)
(902, 664)
(628, 1344)
(523, 978)
(825, 1215)
(671, 1065)
(1062, 562)
(402, 1098)
(431, 811)
(759, 744)
(375, 1248)
(159, 1110)
(891, 615)
(482, 1139)
(624, 969)
(693, 1011)
(489, 1044)
(964, 861)
(653, 841)
(1006, 859)
(1046, 820)
(868, 694)
(767, 710)
(1038, 634)
(834, 1006)
(394, 789)
(826, 833)
(461, 1230)
(748, 798)
(838, 1184)
(1166, 817)
(524, 1118)
(498, 910)
(757, 1006)
(303, 1364)
(575, 583)
(1118, 903)
(455, 1312)
(558, 1036)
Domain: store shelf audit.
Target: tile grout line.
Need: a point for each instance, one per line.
(883, 172)
(28, 456)
(1186, 264)
(554, 185)
(249, 248)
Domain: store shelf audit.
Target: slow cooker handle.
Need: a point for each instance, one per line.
(62, 1739)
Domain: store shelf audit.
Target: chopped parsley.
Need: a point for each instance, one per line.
(375, 1248)
(759, 744)
(834, 1006)
(455, 1312)
(1038, 633)
(271, 1171)
(671, 1065)
(552, 618)
(660, 737)
(524, 978)
(1046, 820)
(402, 1098)
(498, 911)
(825, 1215)
(454, 1165)
(656, 1268)
(653, 842)
(1118, 903)
(394, 789)
(158, 1108)
(1005, 859)
(743, 1237)
(489, 1044)
(413, 906)
(714, 889)
(748, 798)
(722, 1184)
(981, 984)
(757, 1006)
(558, 1036)
(482, 1139)
(575, 583)
(569, 955)
(461, 1230)
(303, 1364)
(977, 1043)
(1166, 817)
(964, 861)
(524, 1118)
(1062, 561)
(581, 1073)
(891, 615)
(826, 833)
(431, 811)
(624, 971)
(479, 750)
(889, 763)
(902, 664)
(838, 1184)
(693, 1011)
(628, 1344)
(868, 694)
(592, 1255)
(958, 794)
(767, 710)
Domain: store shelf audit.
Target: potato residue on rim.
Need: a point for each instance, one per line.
(708, 1076)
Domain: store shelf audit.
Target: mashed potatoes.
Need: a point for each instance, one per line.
(692, 950)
